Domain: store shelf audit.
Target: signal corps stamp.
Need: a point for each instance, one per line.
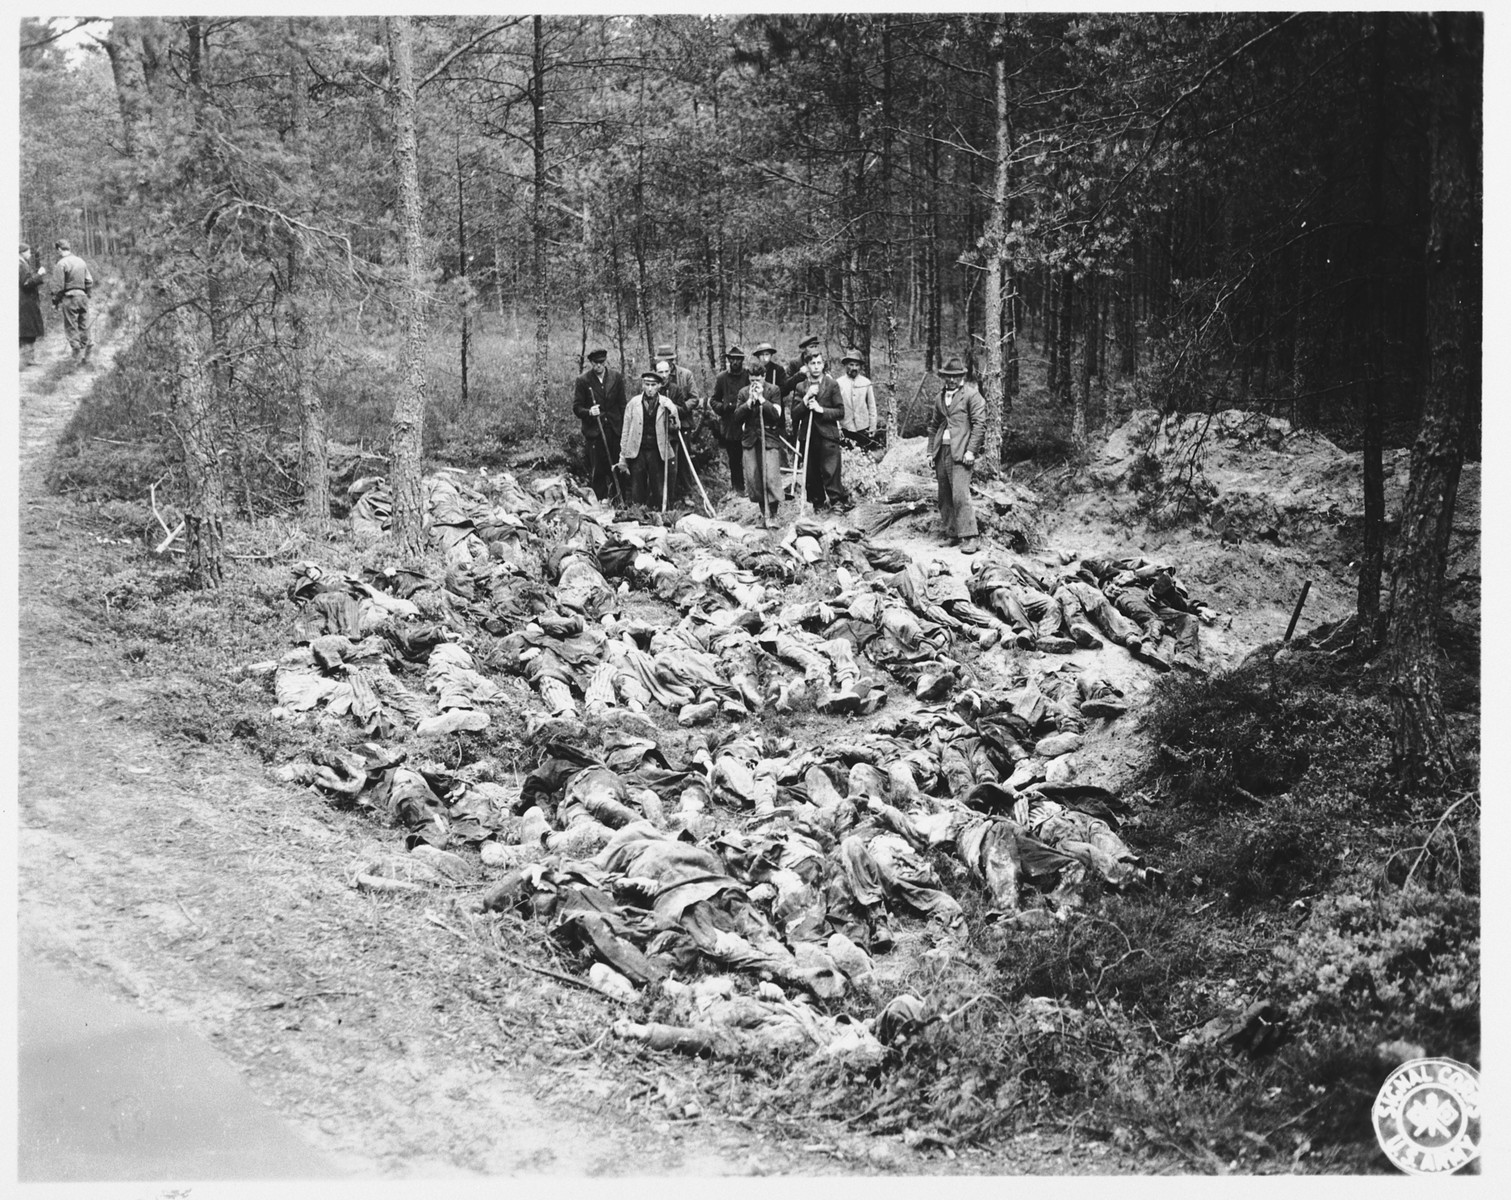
(1427, 1116)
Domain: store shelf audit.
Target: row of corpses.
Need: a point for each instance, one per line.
(749, 854)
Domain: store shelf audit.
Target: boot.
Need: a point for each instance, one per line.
(970, 545)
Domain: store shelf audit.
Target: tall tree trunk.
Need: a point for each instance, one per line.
(1422, 746)
(126, 50)
(314, 455)
(1066, 324)
(709, 282)
(198, 428)
(889, 227)
(1372, 559)
(996, 265)
(538, 231)
(408, 423)
(618, 289)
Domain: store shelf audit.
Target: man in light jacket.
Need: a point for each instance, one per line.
(959, 431)
(859, 421)
(647, 444)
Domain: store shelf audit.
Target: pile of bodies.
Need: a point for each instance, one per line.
(729, 847)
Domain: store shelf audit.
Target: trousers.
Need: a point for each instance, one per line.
(955, 508)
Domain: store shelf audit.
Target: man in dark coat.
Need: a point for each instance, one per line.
(681, 388)
(958, 433)
(724, 400)
(806, 349)
(598, 402)
(758, 408)
(817, 402)
(31, 307)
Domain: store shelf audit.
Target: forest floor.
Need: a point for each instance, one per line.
(160, 866)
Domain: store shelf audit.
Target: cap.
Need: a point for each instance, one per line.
(665, 351)
(952, 366)
(765, 348)
(852, 356)
(597, 354)
(652, 373)
(810, 340)
(734, 352)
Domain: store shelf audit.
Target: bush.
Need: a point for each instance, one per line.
(1408, 956)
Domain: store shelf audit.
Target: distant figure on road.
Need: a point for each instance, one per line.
(959, 431)
(32, 327)
(647, 444)
(598, 402)
(71, 285)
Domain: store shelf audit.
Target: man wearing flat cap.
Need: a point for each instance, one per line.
(758, 411)
(724, 400)
(598, 402)
(806, 349)
(648, 441)
(958, 434)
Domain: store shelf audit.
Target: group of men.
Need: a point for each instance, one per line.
(72, 284)
(768, 417)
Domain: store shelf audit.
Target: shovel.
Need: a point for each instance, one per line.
(613, 474)
(693, 471)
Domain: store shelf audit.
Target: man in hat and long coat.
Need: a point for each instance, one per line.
(648, 442)
(724, 400)
(598, 402)
(958, 433)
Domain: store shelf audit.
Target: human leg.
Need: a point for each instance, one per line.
(944, 477)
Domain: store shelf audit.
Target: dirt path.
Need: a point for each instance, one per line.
(171, 875)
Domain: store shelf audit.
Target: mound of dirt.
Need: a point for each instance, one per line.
(1249, 508)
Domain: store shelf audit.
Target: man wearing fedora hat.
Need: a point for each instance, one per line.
(956, 440)
(859, 421)
(725, 400)
(648, 441)
(598, 402)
